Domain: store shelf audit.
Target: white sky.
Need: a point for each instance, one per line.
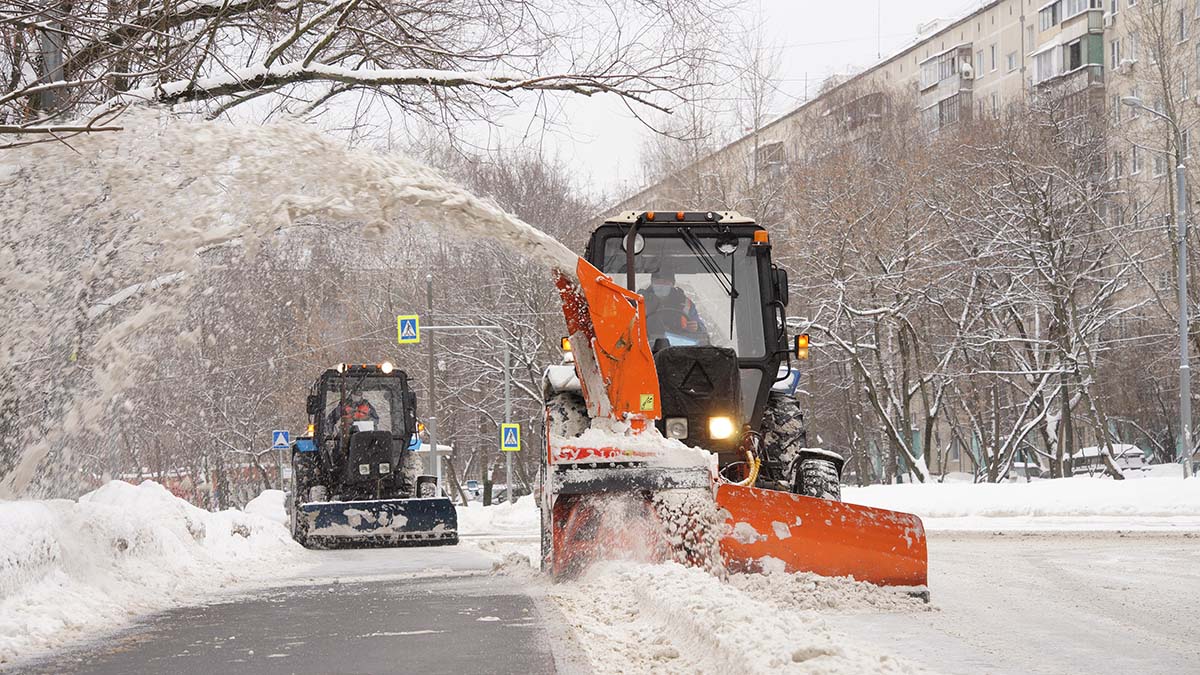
(817, 38)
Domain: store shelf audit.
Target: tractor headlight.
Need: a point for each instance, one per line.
(364, 469)
(385, 468)
(720, 427)
(677, 427)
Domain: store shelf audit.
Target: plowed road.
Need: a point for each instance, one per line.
(1014, 603)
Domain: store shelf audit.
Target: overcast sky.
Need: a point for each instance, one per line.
(602, 140)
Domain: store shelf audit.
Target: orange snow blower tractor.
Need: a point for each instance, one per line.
(678, 340)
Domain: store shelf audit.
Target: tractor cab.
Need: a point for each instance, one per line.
(363, 420)
(714, 315)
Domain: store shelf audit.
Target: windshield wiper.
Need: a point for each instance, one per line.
(707, 261)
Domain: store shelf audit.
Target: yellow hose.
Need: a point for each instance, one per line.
(752, 461)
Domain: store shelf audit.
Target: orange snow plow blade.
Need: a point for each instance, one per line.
(829, 538)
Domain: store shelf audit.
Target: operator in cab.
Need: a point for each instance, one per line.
(356, 408)
(670, 313)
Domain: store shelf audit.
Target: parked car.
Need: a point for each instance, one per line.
(1089, 461)
(1024, 471)
(474, 490)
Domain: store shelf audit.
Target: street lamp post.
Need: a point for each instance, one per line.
(1185, 373)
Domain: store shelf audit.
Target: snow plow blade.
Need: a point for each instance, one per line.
(386, 522)
(834, 539)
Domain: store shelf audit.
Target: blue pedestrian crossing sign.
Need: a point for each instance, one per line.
(280, 440)
(510, 437)
(408, 329)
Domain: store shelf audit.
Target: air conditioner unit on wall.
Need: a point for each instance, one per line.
(1108, 20)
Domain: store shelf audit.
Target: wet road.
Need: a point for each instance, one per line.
(429, 610)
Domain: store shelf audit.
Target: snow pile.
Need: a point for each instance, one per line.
(70, 567)
(1102, 500)
(672, 619)
(269, 505)
(519, 518)
(808, 591)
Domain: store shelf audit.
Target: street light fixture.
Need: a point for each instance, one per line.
(1185, 373)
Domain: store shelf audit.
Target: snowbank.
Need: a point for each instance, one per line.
(634, 618)
(70, 567)
(269, 505)
(1100, 500)
(519, 518)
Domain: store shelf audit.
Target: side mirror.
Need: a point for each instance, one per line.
(801, 346)
(313, 406)
(781, 285)
(410, 412)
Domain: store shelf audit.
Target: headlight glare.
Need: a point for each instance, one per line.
(720, 427)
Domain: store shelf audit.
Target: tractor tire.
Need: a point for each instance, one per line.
(304, 474)
(566, 415)
(818, 477)
(784, 434)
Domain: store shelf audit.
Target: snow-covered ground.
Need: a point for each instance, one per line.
(70, 568)
(1080, 503)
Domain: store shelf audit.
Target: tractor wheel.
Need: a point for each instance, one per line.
(784, 435)
(304, 474)
(818, 477)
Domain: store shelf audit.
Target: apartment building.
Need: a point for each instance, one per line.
(1084, 51)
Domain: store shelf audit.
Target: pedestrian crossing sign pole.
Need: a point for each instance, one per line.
(281, 440)
(408, 329)
(510, 437)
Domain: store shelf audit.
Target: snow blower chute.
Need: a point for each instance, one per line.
(358, 480)
(693, 351)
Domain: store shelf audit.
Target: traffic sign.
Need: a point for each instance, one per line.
(408, 329)
(510, 437)
(280, 440)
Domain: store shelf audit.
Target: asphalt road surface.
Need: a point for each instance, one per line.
(1062, 602)
(423, 610)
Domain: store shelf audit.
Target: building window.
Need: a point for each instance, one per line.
(1160, 164)
(979, 64)
(1050, 15)
(1133, 47)
(1072, 8)
(1114, 50)
(1181, 34)
(1029, 38)
(993, 57)
(995, 105)
(1114, 6)
(1116, 108)
(1012, 61)
(1073, 56)
(1183, 84)
(1135, 111)
(1118, 164)
(1135, 161)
